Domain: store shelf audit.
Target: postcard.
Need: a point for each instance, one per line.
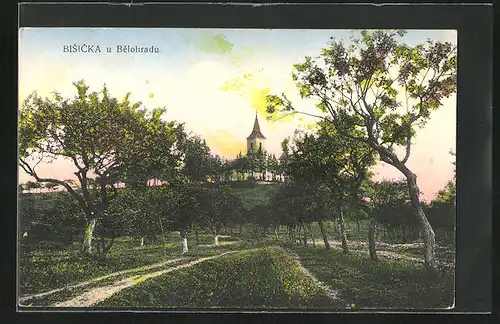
(240, 169)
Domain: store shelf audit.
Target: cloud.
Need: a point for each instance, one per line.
(209, 43)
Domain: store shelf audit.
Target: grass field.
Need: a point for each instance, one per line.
(258, 273)
(42, 270)
(389, 284)
(256, 278)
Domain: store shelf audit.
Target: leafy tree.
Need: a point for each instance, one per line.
(99, 134)
(241, 166)
(392, 208)
(35, 186)
(198, 163)
(442, 209)
(51, 186)
(448, 193)
(257, 162)
(378, 91)
(218, 206)
(284, 157)
(129, 214)
(273, 166)
(54, 218)
(337, 162)
(30, 185)
(161, 157)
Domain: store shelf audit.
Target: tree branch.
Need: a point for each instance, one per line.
(408, 149)
(73, 193)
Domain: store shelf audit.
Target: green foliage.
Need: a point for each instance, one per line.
(325, 171)
(391, 207)
(111, 139)
(442, 213)
(49, 218)
(359, 88)
(198, 163)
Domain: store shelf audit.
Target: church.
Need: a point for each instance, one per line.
(255, 141)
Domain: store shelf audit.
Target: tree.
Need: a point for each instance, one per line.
(257, 162)
(186, 209)
(54, 218)
(240, 166)
(442, 209)
(35, 186)
(217, 204)
(51, 186)
(99, 134)
(339, 163)
(378, 91)
(161, 158)
(273, 166)
(392, 208)
(198, 164)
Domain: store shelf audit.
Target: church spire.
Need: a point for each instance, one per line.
(256, 133)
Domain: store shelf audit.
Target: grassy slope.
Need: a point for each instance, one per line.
(259, 278)
(390, 284)
(254, 194)
(48, 269)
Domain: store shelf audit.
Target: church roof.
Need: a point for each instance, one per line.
(256, 133)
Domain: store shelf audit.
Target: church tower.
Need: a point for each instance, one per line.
(255, 141)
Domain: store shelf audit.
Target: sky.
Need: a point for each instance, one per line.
(214, 81)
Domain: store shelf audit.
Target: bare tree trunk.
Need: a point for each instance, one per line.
(312, 235)
(103, 251)
(142, 241)
(428, 232)
(184, 241)
(216, 238)
(323, 233)
(87, 237)
(276, 233)
(163, 236)
(343, 236)
(304, 232)
(372, 228)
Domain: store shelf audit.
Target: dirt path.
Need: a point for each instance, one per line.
(333, 294)
(393, 251)
(99, 294)
(95, 280)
